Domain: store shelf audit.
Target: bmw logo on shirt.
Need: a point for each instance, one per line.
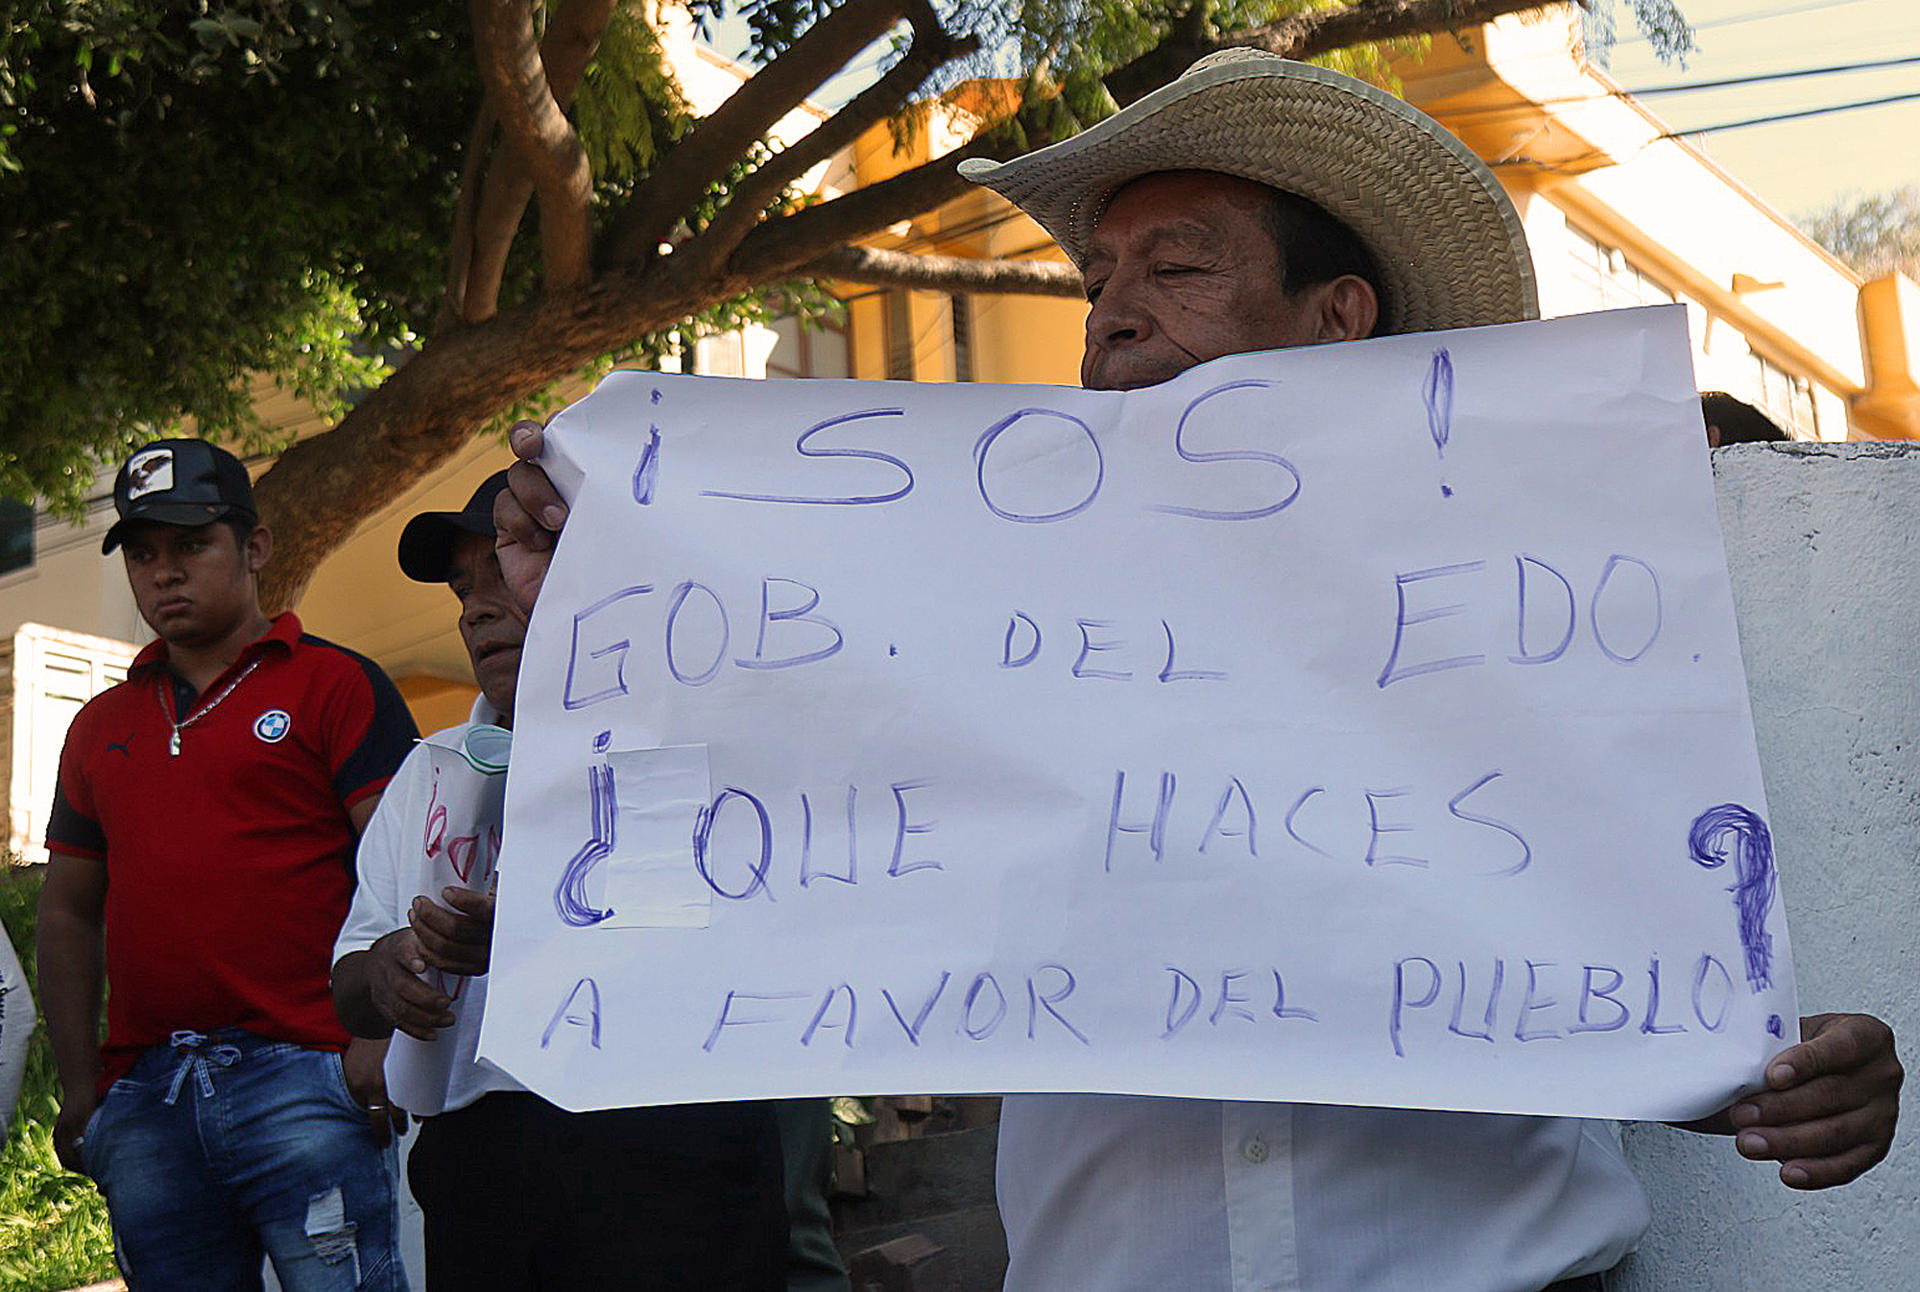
(273, 725)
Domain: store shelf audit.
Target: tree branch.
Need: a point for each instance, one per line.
(460, 245)
(932, 48)
(777, 248)
(1303, 35)
(703, 157)
(322, 489)
(573, 35)
(874, 267)
(539, 136)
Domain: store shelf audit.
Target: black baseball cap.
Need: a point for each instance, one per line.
(179, 482)
(426, 544)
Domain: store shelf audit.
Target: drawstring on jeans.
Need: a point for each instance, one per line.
(196, 1054)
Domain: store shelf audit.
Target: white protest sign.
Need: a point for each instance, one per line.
(1352, 724)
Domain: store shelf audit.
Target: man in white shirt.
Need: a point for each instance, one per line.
(1255, 204)
(516, 1193)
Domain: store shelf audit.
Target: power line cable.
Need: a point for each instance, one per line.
(1757, 78)
(1564, 166)
(1792, 116)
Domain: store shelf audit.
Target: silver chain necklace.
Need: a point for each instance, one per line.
(160, 689)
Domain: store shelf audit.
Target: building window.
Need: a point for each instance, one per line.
(962, 308)
(16, 535)
(1786, 397)
(809, 348)
(1608, 280)
(720, 355)
(899, 315)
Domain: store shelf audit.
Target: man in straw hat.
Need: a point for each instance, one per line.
(1257, 203)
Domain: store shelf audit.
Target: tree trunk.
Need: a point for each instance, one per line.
(320, 491)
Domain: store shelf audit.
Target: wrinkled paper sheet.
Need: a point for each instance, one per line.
(1362, 724)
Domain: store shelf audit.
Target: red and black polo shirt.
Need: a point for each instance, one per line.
(230, 863)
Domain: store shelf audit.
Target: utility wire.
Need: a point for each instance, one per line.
(1757, 78)
(1791, 116)
(1562, 167)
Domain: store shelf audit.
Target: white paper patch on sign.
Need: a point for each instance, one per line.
(652, 879)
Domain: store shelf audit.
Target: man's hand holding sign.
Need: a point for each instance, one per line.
(1350, 725)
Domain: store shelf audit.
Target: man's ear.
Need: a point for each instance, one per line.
(1343, 309)
(259, 549)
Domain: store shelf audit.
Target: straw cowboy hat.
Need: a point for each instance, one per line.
(1441, 229)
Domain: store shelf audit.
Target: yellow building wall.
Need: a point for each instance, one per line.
(1028, 339)
(1578, 155)
(1890, 320)
(360, 598)
(437, 703)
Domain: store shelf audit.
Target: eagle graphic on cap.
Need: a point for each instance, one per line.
(143, 469)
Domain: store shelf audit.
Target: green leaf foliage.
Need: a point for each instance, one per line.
(198, 191)
(53, 1224)
(628, 109)
(1666, 29)
(198, 194)
(772, 25)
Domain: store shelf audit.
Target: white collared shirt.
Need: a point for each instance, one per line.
(1110, 1193)
(440, 816)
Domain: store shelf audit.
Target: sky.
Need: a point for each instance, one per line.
(1797, 166)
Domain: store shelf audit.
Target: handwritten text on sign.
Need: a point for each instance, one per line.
(1358, 724)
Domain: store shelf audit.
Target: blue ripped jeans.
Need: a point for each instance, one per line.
(217, 1150)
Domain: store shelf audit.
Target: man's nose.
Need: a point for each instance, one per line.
(478, 611)
(1115, 318)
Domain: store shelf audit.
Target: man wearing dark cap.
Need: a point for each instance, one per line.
(1735, 421)
(519, 1194)
(1253, 204)
(201, 846)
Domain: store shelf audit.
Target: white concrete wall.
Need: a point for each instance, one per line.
(70, 584)
(1824, 546)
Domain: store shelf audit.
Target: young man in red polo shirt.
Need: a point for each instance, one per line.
(201, 848)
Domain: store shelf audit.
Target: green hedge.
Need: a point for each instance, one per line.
(53, 1225)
